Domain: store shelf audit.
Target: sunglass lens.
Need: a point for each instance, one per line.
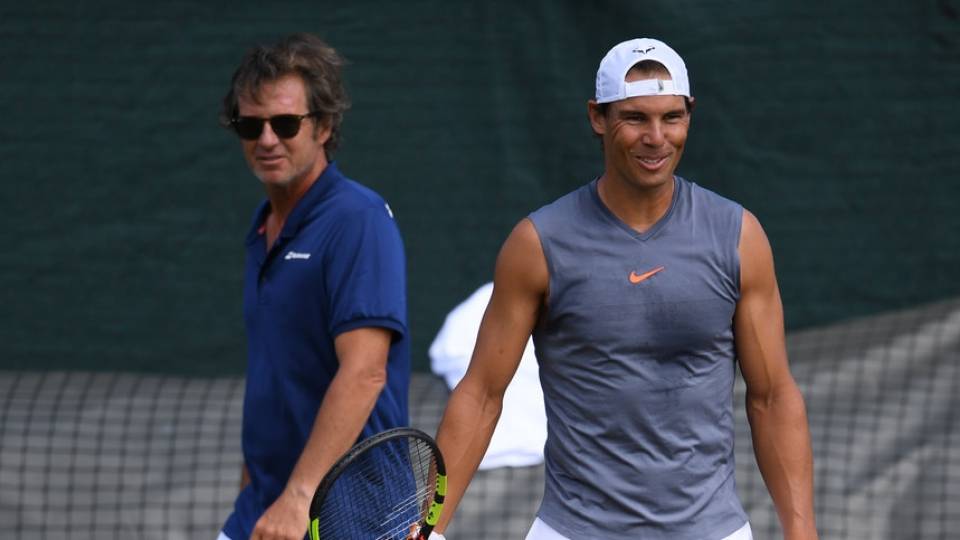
(285, 125)
(248, 127)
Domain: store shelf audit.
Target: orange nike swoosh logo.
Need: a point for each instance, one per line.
(637, 278)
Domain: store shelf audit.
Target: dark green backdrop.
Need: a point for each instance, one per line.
(125, 205)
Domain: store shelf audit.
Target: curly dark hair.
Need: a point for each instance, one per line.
(302, 54)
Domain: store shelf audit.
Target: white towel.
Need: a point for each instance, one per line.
(519, 436)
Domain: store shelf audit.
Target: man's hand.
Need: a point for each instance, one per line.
(415, 534)
(286, 519)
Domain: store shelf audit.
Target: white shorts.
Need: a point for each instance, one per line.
(223, 536)
(541, 531)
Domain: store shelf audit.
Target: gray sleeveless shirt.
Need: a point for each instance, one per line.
(636, 359)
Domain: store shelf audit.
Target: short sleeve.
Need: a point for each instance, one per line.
(366, 273)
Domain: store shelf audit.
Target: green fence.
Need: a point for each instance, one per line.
(125, 204)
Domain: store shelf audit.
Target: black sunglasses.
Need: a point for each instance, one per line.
(285, 126)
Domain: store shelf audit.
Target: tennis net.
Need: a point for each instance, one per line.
(110, 455)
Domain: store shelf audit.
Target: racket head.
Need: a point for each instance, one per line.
(388, 486)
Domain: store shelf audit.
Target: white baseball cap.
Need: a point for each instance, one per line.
(611, 77)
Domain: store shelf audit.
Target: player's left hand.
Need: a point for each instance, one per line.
(286, 519)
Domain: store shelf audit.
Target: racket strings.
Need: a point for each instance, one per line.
(424, 490)
(382, 493)
(396, 523)
(399, 532)
(414, 501)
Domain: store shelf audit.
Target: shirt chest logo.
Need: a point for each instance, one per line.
(637, 278)
(291, 255)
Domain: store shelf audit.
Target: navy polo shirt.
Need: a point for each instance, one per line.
(338, 265)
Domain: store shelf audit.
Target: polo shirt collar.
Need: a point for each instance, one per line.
(315, 193)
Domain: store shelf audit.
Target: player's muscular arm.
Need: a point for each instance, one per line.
(520, 285)
(775, 408)
(349, 400)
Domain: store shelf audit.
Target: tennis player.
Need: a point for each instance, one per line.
(324, 292)
(641, 290)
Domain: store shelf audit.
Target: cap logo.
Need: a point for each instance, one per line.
(644, 51)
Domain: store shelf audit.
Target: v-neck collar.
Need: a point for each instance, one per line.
(678, 184)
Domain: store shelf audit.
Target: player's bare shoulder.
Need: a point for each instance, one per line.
(756, 255)
(521, 262)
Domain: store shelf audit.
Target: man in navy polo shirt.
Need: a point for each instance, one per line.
(324, 293)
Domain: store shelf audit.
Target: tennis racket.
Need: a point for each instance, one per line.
(387, 487)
